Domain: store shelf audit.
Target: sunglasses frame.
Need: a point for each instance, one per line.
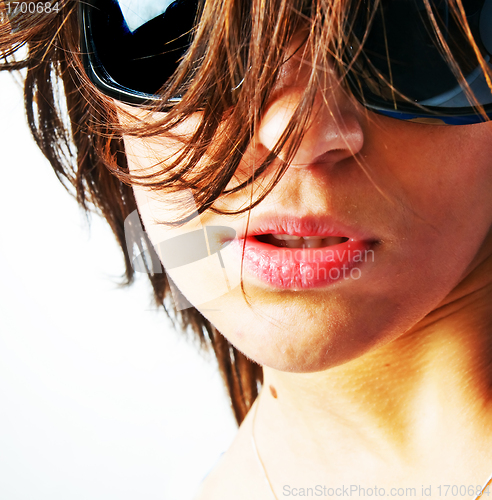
(101, 79)
(96, 71)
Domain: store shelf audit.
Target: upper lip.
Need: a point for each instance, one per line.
(306, 225)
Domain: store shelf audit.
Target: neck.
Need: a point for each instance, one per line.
(418, 403)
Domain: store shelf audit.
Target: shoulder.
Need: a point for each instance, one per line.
(237, 474)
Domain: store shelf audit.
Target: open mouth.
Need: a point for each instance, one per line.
(302, 252)
(291, 241)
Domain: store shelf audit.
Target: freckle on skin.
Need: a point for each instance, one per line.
(273, 391)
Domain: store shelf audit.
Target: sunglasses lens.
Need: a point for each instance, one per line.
(404, 63)
(405, 56)
(138, 44)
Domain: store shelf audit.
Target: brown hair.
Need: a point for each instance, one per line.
(238, 44)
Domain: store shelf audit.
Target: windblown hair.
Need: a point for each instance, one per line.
(241, 45)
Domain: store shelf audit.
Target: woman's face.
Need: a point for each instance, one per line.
(396, 213)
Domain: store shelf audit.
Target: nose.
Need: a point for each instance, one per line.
(333, 132)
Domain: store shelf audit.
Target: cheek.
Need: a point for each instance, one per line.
(149, 156)
(441, 176)
(201, 267)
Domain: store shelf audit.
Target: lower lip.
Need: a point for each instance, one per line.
(302, 268)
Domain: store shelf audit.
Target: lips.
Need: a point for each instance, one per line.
(302, 253)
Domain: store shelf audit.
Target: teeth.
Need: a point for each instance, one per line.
(291, 241)
(286, 237)
(312, 242)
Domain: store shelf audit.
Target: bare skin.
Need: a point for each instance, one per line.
(383, 381)
(414, 413)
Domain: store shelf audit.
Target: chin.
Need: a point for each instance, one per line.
(299, 337)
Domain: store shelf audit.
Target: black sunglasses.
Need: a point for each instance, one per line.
(131, 48)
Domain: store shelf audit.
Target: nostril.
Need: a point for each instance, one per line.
(333, 156)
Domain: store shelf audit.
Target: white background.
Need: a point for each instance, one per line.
(99, 397)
